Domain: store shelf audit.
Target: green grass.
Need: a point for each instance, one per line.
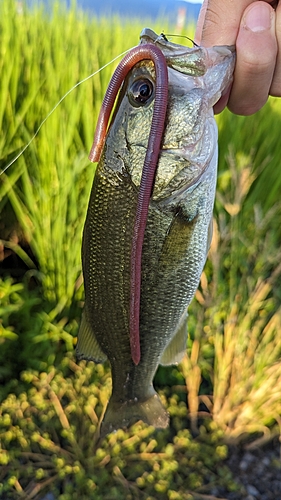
(228, 385)
(48, 441)
(47, 188)
(254, 141)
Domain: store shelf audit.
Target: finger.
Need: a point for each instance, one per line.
(275, 88)
(222, 102)
(219, 22)
(256, 51)
(200, 23)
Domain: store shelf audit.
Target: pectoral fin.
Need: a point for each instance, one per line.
(176, 349)
(87, 346)
(210, 235)
(177, 241)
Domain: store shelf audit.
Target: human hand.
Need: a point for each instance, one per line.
(255, 28)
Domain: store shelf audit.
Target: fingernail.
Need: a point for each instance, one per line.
(258, 17)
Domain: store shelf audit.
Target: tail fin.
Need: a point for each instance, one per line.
(123, 415)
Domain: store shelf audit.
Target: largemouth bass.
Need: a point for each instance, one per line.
(144, 248)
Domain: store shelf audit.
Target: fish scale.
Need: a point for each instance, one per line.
(177, 234)
(112, 205)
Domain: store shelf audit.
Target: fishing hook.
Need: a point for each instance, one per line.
(179, 36)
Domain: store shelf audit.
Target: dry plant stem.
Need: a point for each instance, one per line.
(258, 443)
(92, 415)
(59, 410)
(192, 374)
(33, 490)
(198, 496)
(53, 447)
(237, 400)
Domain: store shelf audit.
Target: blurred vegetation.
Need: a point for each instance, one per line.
(228, 385)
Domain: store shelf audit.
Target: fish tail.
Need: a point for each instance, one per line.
(123, 415)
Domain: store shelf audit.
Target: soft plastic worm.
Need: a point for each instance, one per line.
(139, 53)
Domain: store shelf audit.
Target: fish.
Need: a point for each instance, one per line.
(149, 222)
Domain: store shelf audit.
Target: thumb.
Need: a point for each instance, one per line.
(256, 49)
(219, 22)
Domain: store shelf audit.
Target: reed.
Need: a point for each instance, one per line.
(46, 190)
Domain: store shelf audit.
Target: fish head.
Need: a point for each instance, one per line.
(197, 78)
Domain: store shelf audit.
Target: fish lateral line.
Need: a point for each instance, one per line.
(54, 109)
(136, 54)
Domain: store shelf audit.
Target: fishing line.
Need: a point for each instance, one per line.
(56, 106)
(181, 36)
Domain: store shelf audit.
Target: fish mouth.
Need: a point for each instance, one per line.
(192, 61)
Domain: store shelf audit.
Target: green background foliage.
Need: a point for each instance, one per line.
(228, 385)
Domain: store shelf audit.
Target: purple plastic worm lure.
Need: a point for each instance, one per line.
(135, 55)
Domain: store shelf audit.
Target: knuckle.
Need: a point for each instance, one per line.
(245, 108)
(255, 59)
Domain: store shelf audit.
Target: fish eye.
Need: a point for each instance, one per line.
(140, 92)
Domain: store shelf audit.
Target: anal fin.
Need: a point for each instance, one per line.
(177, 241)
(87, 346)
(176, 349)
